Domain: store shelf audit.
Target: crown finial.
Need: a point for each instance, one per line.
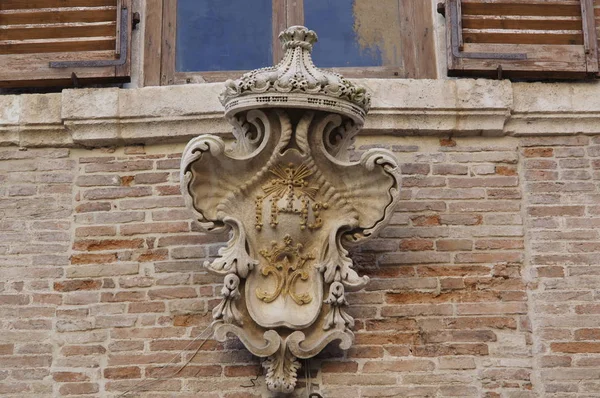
(296, 83)
(298, 36)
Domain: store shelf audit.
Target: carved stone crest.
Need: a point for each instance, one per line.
(292, 202)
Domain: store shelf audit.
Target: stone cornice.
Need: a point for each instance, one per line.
(106, 117)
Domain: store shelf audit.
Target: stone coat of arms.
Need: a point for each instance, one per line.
(292, 202)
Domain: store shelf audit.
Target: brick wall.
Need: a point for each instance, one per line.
(485, 284)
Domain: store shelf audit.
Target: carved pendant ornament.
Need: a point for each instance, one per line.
(292, 201)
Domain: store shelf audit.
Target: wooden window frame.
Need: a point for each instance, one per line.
(161, 32)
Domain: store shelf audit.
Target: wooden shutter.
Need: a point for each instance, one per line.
(63, 42)
(522, 38)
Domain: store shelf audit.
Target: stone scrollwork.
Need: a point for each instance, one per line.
(291, 201)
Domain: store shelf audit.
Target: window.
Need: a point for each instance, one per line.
(212, 40)
(522, 38)
(62, 42)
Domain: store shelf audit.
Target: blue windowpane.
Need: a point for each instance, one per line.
(333, 20)
(223, 35)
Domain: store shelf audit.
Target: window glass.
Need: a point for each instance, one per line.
(217, 35)
(349, 31)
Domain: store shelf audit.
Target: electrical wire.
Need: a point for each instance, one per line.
(147, 383)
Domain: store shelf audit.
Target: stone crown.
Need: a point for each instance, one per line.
(296, 83)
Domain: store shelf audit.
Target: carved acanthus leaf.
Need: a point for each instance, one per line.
(234, 258)
(335, 264)
(337, 318)
(227, 308)
(282, 370)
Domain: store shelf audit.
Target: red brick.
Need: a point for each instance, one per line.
(189, 371)
(425, 221)
(190, 320)
(550, 272)
(555, 141)
(103, 230)
(77, 284)
(407, 365)
(6, 349)
(168, 190)
(117, 193)
(472, 182)
(366, 352)
(541, 164)
(151, 178)
(415, 168)
(150, 228)
(126, 181)
(416, 244)
(511, 257)
(454, 245)
(461, 219)
(554, 361)
(97, 180)
(447, 142)
(554, 211)
(541, 175)
(385, 338)
(587, 334)
(120, 373)
(63, 377)
(82, 350)
(339, 367)
(179, 345)
(450, 169)
(576, 347)
(78, 388)
(152, 255)
(242, 395)
(172, 292)
(435, 350)
(468, 336)
(538, 152)
(14, 299)
(506, 171)
(390, 324)
(106, 167)
(450, 194)
(93, 258)
(242, 370)
(499, 244)
(146, 307)
(423, 297)
(107, 244)
(123, 296)
(26, 361)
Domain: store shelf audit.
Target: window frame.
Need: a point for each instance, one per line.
(161, 31)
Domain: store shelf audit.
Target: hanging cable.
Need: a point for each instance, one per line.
(147, 383)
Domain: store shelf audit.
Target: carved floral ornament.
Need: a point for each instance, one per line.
(292, 201)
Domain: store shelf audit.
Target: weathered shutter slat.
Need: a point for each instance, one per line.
(61, 15)
(35, 4)
(58, 32)
(522, 38)
(35, 35)
(54, 46)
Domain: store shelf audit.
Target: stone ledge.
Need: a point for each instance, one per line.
(464, 107)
